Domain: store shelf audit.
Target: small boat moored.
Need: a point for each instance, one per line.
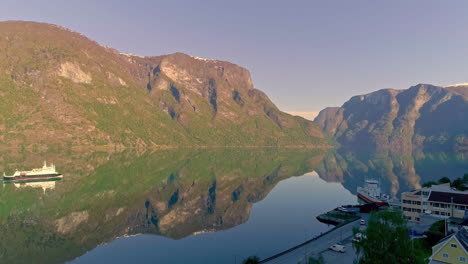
(46, 173)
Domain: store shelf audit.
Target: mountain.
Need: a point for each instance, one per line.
(423, 116)
(459, 88)
(59, 88)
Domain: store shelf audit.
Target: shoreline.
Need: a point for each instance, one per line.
(121, 148)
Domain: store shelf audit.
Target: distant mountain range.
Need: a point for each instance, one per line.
(423, 116)
(59, 88)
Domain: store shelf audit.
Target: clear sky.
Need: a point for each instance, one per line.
(305, 55)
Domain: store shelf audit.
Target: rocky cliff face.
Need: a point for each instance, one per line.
(59, 87)
(421, 116)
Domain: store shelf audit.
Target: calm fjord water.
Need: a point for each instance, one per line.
(190, 206)
(279, 221)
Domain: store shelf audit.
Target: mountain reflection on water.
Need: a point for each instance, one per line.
(396, 172)
(104, 196)
(176, 194)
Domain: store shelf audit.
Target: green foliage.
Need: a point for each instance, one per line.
(444, 180)
(424, 249)
(36, 104)
(429, 184)
(435, 233)
(251, 260)
(395, 126)
(319, 260)
(387, 240)
(460, 184)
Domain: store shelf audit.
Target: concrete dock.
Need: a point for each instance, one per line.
(343, 234)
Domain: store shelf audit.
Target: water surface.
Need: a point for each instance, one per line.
(284, 218)
(210, 206)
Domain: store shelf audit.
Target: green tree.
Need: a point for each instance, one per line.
(444, 180)
(318, 260)
(465, 178)
(251, 260)
(459, 184)
(387, 240)
(435, 233)
(429, 184)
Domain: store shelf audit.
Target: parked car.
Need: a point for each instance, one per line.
(363, 222)
(338, 248)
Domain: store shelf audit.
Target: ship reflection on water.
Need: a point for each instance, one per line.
(44, 185)
(47, 185)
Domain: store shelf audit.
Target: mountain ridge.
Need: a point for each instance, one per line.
(422, 116)
(61, 88)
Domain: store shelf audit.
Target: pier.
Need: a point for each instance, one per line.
(320, 244)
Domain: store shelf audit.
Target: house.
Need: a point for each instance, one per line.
(451, 249)
(440, 201)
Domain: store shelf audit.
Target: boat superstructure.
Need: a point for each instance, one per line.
(371, 193)
(46, 173)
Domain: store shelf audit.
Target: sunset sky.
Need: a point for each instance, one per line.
(305, 55)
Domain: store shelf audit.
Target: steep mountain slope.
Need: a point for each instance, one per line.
(460, 89)
(421, 116)
(58, 87)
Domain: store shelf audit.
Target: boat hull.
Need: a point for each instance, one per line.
(35, 178)
(370, 200)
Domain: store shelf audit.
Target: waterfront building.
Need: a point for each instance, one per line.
(451, 249)
(440, 201)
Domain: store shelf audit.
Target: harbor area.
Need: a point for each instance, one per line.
(345, 214)
(432, 215)
(341, 234)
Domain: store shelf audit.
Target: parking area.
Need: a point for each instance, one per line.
(342, 235)
(347, 257)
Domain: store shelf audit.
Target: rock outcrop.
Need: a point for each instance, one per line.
(58, 87)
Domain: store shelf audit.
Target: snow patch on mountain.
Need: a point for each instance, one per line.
(202, 59)
(457, 84)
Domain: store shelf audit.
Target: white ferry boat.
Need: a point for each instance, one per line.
(370, 193)
(46, 173)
